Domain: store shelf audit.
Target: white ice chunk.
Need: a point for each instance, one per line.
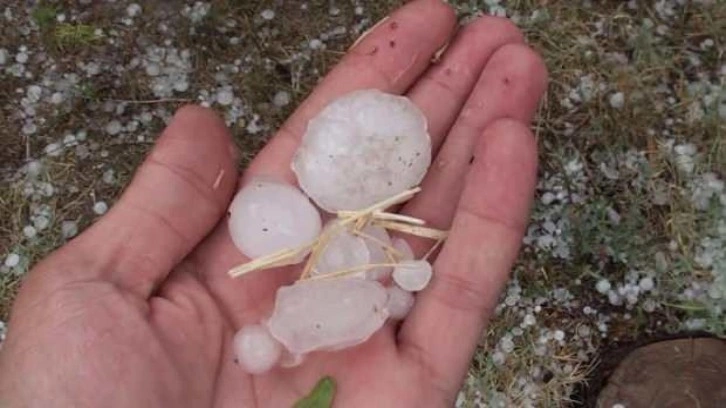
(399, 302)
(402, 246)
(377, 252)
(327, 314)
(362, 148)
(256, 350)
(267, 216)
(342, 252)
(413, 276)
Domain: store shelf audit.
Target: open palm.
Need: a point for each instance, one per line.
(139, 311)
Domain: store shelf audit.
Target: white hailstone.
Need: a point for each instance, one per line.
(29, 128)
(506, 344)
(3, 56)
(41, 222)
(29, 231)
(12, 260)
(377, 239)
(342, 252)
(327, 314)
(362, 148)
(402, 246)
(109, 176)
(133, 10)
(225, 97)
(113, 127)
(413, 276)
(281, 99)
(399, 302)
(21, 58)
(69, 229)
(100, 208)
(646, 284)
(603, 286)
(315, 44)
(256, 350)
(268, 216)
(617, 100)
(268, 14)
(57, 98)
(559, 335)
(529, 320)
(153, 70)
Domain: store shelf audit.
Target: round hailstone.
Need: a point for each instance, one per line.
(362, 148)
(267, 216)
(327, 314)
(399, 302)
(342, 252)
(256, 350)
(413, 276)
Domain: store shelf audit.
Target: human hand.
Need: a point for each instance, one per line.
(139, 310)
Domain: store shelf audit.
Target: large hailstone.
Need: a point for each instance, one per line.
(256, 350)
(362, 148)
(327, 314)
(268, 216)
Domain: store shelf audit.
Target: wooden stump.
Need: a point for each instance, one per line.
(670, 374)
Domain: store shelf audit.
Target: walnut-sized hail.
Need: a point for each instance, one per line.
(362, 148)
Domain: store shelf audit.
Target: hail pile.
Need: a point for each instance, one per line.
(364, 153)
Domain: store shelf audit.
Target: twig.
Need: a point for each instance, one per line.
(352, 270)
(268, 261)
(418, 231)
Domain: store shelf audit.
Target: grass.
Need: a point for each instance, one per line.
(575, 41)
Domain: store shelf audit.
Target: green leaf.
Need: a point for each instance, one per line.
(321, 396)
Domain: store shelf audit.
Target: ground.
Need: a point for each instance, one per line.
(628, 238)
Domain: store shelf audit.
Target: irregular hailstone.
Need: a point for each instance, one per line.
(256, 350)
(327, 314)
(362, 148)
(342, 252)
(346, 250)
(413, 276)
(268, 216)
(399, 302)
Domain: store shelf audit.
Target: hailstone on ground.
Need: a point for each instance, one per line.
(256, 350)
(327, 314)
(413, 276)
(364, 147)
(399, 302)
(268, 216)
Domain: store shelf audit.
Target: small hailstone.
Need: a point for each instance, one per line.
(267, 216)
(399, 302)
(29, 231)
(603, 286)
(114, 127)
(413, 276)
(281, 99)
(41, 222)
(133, 10)
(506, 344)
(617, 100)
(268, 14)
(402, 246)
(362, 148)
(100, 208)
(327, 314)
(225, 97)
(498, 358)
(57, 98)
(315, 44)
(256, 350)
(646, 284)
(559, 335)
(529, 320)
(21, 58)
(69, 229)
(12, 260)
(109, 176)
(153, 70)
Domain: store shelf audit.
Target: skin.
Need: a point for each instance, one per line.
(138, 310)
